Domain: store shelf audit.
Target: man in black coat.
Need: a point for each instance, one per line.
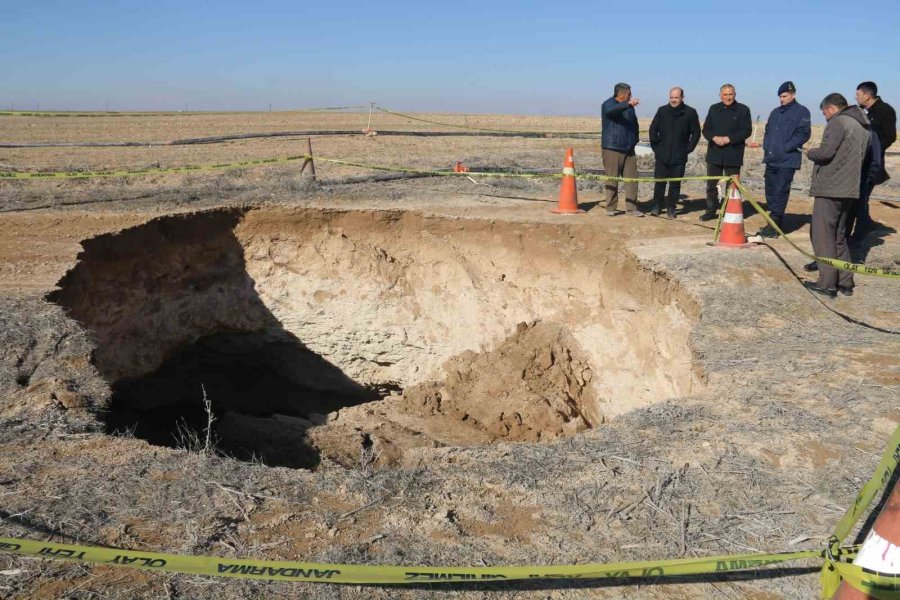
(674, 133)
(884, 124)
(726, 128)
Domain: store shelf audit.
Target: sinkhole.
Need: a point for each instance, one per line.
(292, 335)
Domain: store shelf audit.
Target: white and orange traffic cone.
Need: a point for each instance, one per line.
(460, 168)
(732, 235)
(568, 195)
(880, 551)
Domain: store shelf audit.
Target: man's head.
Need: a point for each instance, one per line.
(866, 93)
(622, 92)
(676, 97)
(832, 104)
(786, 93)
(726, 94)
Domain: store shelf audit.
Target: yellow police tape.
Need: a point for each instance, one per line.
(837, 264)
(286, 159)
(880, 585)
(591, 134)
(259, 162)
(378, 574)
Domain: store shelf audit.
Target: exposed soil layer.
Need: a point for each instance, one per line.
(798, 393)
(280, 318)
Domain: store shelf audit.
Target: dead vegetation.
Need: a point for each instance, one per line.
(764, 456)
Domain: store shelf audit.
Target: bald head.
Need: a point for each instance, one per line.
(676, 97)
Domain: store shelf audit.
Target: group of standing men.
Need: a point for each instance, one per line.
(674, 133)
(847, 165)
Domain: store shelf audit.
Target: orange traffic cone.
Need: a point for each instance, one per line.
(732, 234)
(460, 168)
(881, 549)
(568, 196)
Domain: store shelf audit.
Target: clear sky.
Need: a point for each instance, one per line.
(455, 55)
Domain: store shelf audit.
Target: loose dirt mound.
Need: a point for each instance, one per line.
(537, 381)
(532, 387)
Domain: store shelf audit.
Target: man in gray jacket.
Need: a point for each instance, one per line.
(835, 186)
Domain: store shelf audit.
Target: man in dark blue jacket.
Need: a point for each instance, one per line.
(618, 137)
(788, 128)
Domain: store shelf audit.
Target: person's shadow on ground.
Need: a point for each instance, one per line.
(683, 206)
(792, 223)
(859, 251)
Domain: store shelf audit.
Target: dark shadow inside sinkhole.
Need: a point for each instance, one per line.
(263, 390)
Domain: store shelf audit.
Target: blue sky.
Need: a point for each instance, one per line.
(455, 56)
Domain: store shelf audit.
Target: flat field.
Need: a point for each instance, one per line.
(416, 371)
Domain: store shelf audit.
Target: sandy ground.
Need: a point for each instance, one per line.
(794, 395)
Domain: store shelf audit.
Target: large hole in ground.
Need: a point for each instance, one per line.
(234, 386)
(304, 326)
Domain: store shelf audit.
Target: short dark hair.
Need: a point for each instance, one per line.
(833, 99)
(621, 87)
(868, 87)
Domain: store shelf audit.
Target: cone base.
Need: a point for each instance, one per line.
(566, 211)
(733, 245)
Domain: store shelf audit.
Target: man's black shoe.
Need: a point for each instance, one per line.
(811, 267)
(708, 216)
(811, 286)
(654, 210)
(670, 213)
(768, 232)
(845, 291)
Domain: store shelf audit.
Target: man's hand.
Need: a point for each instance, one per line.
(720, 140)
(634, 102)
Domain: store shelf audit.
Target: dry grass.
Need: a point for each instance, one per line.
(739, 468)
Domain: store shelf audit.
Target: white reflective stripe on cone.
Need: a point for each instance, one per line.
(879, 554)
(733, 218)
(569, 171)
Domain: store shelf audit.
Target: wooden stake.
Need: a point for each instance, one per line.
(309, 161)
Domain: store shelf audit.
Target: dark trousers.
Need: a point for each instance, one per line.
(859, 212)
(778, 189)
(829, 239)
(661, 171)
(712, 196)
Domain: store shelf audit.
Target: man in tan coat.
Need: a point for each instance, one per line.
(835, 186)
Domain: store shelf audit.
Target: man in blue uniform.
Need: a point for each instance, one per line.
(787, 130)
